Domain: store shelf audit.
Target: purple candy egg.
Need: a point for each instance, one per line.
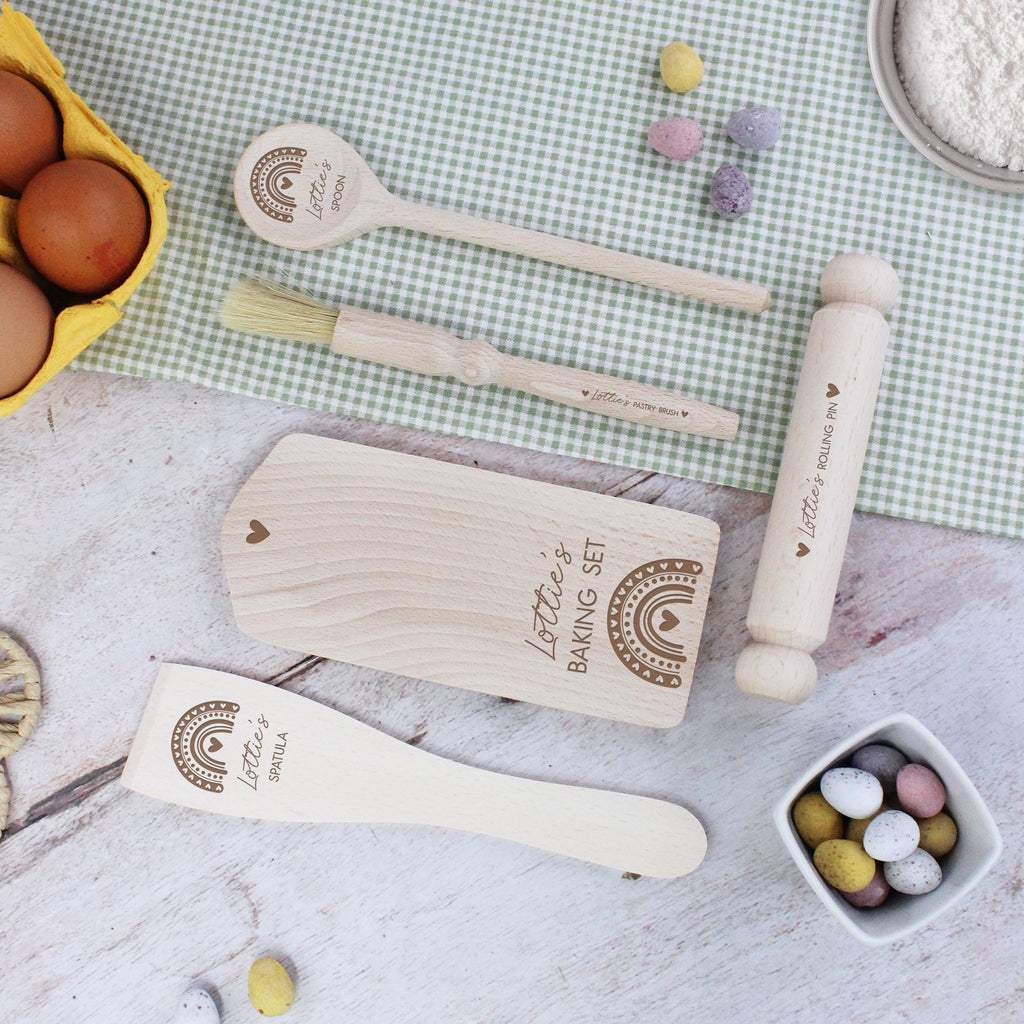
(882, 761)
(874, 894)
(678, 138)
(731, 193)
(755, 127)
(920, 791)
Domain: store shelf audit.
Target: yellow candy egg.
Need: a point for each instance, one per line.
(844, 864)
(816, 820)
(271, 991)
(938, 834)
(681, 67)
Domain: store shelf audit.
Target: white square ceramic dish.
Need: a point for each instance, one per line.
(977, 848)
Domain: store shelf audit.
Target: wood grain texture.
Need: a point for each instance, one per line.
(513, 587)
(113, 498)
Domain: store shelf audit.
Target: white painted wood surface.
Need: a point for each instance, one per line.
(112, 499)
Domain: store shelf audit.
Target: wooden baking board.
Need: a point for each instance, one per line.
(474, 579)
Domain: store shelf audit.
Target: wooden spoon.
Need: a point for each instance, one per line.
(219, 742)
(301, 186)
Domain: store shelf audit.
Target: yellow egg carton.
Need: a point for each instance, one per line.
(23, 51)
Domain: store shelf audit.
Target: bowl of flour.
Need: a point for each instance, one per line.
(951, 76)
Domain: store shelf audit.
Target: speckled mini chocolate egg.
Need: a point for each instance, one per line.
(892, 835)
(882, 761)
(874, 894)
(851, 791)
(844, 865)
(816, 820)
(196, 1007)
(920, 791)
(914, 875)
(856, 827)
(938, 834)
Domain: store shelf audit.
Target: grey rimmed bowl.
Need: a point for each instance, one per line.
(882, 58)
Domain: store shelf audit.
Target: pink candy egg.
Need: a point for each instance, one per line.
(678, 138)
(920, 791)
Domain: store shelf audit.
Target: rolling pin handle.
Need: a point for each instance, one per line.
(769, 670)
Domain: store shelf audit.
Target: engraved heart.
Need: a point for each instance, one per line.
(259, 532)
(215, 745)
(832, 391)
(668, 621)
(802, 549)
(586, 394)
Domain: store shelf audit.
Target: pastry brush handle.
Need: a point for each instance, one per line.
(429, 350)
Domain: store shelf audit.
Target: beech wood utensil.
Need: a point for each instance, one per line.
(259, 307)
(812, 508)
(223, 743)
(474, 579)
(301, 186)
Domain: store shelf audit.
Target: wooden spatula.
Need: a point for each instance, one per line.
(219, 742)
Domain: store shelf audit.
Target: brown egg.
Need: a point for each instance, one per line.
(30, 132)
(26, 329)
(83, 225)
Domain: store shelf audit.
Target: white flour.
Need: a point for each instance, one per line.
(962, 65)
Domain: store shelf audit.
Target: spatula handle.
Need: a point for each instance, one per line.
(617, 830)
(429, 350)
(595, 259)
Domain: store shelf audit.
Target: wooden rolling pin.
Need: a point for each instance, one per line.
(812, 508)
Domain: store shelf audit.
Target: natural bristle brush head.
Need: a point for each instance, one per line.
(274, 311)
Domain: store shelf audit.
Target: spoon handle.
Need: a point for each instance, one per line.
(566, 252)
(430, 350)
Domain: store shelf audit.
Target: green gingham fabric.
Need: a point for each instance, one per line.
(535, 112)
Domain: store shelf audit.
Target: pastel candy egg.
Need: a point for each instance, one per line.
(938, 834)
(678, 138)
(914, 875)
(874, 894)
(681, 67)
(271, 990)
(844, 865)
(755, 127)
(920, 791)
(882, 761)
(891, 835)
(196, 1007)
(856, 827)
(852, 791)
(816, 820)
(731, 194)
